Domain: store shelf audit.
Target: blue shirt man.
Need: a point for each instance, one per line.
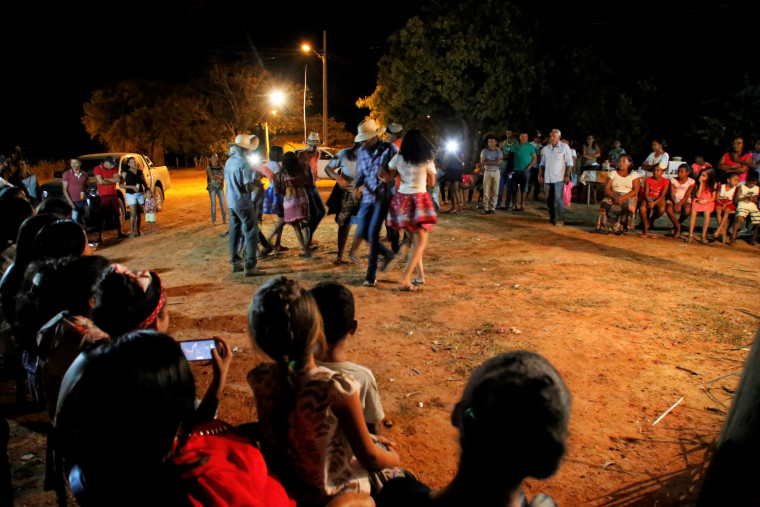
(373, 156)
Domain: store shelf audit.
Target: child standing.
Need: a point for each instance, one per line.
(313, 430)
(725, 206)
(293, 181)
(704, 203)
(336, 304)
(655, 190)
(150, 211)
(746, 205)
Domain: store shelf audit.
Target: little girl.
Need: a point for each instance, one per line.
(150, 211)
(725, 207)
(293, 181)
(312, 425)
(681, 188)
(704, 203)
(655, 190)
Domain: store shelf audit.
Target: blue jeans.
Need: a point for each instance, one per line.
(373, 215)
(556, 200)
(244, 228)
(504, 184)
(214, 194)
(78, 213)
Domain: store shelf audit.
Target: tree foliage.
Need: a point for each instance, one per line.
(462, 69)
(738, 115)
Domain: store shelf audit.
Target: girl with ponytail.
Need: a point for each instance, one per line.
(311, 418)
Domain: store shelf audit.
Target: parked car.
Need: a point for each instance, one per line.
(156, 176)
(325, 156)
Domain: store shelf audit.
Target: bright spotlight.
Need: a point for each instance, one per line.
(277, 98)
(305, 47)
(452, 146)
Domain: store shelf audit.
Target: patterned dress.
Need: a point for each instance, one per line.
(323, 461)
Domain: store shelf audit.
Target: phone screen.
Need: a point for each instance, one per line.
(197, 350)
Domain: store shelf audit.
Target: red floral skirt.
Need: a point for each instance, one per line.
(412, 211)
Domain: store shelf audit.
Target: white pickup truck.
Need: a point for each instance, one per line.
(156, 176)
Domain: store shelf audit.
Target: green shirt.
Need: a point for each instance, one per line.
(523, 154)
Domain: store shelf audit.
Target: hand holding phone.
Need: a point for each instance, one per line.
(198, 350)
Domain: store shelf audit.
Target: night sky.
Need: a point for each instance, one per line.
(54, 57)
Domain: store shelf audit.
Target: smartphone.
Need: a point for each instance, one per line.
(197, 350)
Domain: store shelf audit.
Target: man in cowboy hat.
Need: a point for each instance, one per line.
(372, 158)
(310, 157)
(241, 182)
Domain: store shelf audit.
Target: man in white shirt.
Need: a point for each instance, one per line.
(554, 172)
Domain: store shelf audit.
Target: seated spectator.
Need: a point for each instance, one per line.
(336, 305)
(700, 165)
(737, 160)
(60, 239)
(725, 207)
(615, 153)
(704, 203)
(128, 432)
(512, 421)
(13, 192)
(14, 211)
(313, 430)
(127, 301)
(653, 199)
(619, 206)
(658, 156)
(746, 206)
(55, 206)
(681, 188)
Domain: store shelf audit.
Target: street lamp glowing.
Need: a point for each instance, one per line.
(277, 98)
(452, 146)
(306, 47)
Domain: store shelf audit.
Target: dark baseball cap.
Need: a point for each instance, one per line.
(110, 160)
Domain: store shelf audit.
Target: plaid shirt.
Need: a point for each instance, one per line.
(368, 166)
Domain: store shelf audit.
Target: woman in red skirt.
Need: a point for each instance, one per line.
(412, 208)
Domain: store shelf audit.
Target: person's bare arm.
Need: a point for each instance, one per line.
(686, 196)
(634, 190)
(351, 419)
(608, 190)
(533, 159)
(65, 185)
(220, 362)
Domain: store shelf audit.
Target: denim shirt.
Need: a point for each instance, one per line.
(237, 174)
(368, 166)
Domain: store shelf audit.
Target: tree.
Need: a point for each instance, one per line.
(456, 73)
(148, 117)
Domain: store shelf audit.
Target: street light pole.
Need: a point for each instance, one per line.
(322, 57)
(305, 68)
(324, 86)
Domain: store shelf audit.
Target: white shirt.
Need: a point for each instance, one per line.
(555, 159)
(663, 160)
(413, 177)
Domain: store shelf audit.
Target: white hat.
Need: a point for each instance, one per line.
(395, 128)
(246, 141)
(313, 139)
(367, 130)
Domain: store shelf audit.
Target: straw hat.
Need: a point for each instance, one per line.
(395, 128)
(246, 141)
(313, 139)
(367, 130)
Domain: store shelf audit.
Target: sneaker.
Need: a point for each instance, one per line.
(367, 283)
(253, 271)
(560, 224)
(266, 251)
(237, 267)
(122, 235)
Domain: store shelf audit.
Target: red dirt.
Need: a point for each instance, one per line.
(615, 315)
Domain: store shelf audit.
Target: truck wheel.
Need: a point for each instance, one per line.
(158, 195)
(122, 212)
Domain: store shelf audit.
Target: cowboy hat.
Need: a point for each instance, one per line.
(313, 139)
(395, 129)
(245, 141)
(367, 130)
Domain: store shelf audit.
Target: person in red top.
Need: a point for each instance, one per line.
(655, 190)
(108, 177)
(76, 186)
(130, 435)
(700, 165)
(737, 161)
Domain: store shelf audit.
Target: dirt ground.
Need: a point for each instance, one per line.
(632, 324)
